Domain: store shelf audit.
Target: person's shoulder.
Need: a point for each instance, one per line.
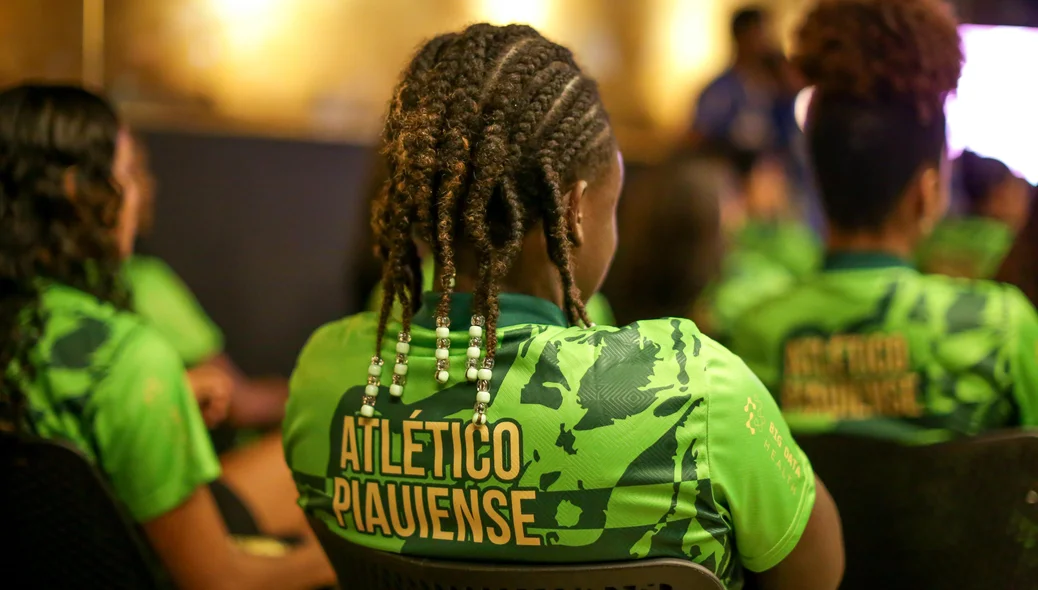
(340, 333)
(976, 303)
(64, 306)
(333, 345)
(84, 331)
(665, 346)
(960, 287)
(140, 266)
(765, 313)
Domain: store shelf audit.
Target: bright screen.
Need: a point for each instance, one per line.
(995, 111)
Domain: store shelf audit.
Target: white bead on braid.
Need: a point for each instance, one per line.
(371, 389)
(484, 376)
(403, 346)
(443, 345)
(473, 353)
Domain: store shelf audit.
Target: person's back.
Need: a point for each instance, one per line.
(78, 367)
(549, 480)
(872, 346)
(869, 345)
(513, 429)
(87, 359)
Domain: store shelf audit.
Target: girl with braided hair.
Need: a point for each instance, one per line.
(541, 438)
(80, 368)
(869, 345)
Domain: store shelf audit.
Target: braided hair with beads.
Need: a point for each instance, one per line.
(487, 131)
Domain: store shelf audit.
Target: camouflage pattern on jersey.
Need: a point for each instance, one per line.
(110, 386)
(595, 450)
(966, 247)
(873, 347)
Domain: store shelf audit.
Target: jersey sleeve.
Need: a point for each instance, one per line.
(166, 302)
(756, 467)
(151, 439)
(1023, 351)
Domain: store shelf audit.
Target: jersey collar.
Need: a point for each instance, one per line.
(515, 309)
(847, 260)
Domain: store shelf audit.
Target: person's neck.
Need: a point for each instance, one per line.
(892, 243)
(543, 287)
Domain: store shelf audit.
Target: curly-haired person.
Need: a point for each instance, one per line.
(80, 368)
(869, 345)
(498, 423)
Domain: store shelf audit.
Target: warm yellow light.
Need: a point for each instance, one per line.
(687, 47)
(247, 24)
(536, 13)
(693, 35)
(232, 9)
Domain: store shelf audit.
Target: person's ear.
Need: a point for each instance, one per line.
(933, 199)
(575, 213)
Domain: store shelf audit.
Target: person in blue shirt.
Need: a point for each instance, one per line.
(750, 105)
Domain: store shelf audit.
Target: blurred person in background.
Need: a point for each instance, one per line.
(161, 298)
(1020, 267)
(679, 207)
(768, 246)
(870, 345)
(82, 369)
(974, 244)
(503, 163)
(750, 106)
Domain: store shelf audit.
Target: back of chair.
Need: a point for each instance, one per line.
(62, 527)
(956, 515)
(360, 568)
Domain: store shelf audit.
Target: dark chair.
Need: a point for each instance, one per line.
(360, 568)
(61, 526)
(962, 514)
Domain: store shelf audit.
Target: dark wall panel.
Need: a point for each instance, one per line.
(262, 231)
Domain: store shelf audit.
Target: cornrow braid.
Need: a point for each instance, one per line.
(486, 135)
(391, 217)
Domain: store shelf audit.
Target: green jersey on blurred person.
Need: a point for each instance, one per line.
(768, 249)
(870, 345)
(165, 302)
(974, 245)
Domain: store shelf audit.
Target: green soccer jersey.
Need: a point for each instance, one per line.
(870, 346)
(763, 260)
(790, 244)
(165, 302)
(747, 278)
(111, 386)
(968, 247)
(598, 309)
(602, 444)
